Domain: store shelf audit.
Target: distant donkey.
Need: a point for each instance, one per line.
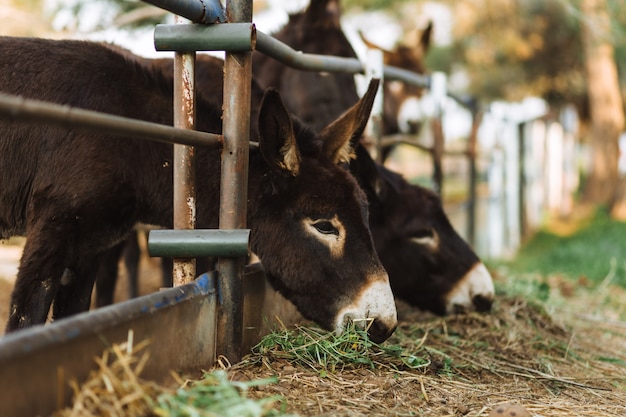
(76, 194)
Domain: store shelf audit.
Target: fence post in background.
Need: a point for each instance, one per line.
(569, 121)
(535, 173)
(511, 185)
(184, 269)
(439, 93)
(473, 177)
(495, 210)
(374, 67)
(554, 167)
(523, 218)
(234, 185)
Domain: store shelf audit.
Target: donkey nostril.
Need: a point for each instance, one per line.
(459, 309)
(378, 332)
(482, 303)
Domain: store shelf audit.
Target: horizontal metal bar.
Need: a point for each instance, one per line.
(198, 11)
(19, 108)
(198, 243)
(313, 62)
(230, 37)
(410, 140)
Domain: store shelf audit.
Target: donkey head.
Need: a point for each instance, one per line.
(403, 109)
(429, 264)
(311, 221)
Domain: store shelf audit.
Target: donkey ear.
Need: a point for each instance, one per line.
(422, 39)
(364, 168)
(277, 140)
(327, 11)
(340, 137)
(371, 44)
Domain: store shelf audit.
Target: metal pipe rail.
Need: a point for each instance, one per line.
(194, 243)
(246, 37)
(20, 108)
(198, 11)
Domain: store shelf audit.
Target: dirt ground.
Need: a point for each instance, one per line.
(566, 359)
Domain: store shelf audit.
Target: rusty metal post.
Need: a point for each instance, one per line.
(184, 158)
(234, 185)
(437, 154)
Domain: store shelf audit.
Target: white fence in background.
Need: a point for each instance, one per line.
(528, 163)
(531, 174)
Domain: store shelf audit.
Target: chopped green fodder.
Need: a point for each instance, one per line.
(216, 395)
(330, 352)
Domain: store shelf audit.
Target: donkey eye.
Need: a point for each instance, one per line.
(326, 228)
(422, 234)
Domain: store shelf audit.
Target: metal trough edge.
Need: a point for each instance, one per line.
(36, 364)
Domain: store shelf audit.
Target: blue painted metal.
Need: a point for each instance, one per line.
(198, 11)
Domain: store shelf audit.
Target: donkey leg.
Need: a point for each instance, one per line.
(132, 256)
(106, 278)
(38, 279)
(75, 296)
(167, 272)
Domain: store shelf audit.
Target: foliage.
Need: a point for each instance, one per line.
(215, 395)
(512, 49)
(595, 252)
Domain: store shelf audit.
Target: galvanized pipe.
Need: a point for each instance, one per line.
(184, 269)
(198, 11)
(19, 108)
(232, 37)
(234, 184)
(199, 242)
(236, 37)
(313, 62)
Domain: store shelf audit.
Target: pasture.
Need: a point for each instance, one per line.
(554, 342)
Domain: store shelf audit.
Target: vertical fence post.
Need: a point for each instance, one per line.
(495, 210)
(522, 191)
(374, 68)
(473, 178)
(234, 184)
(438, 91)
(184, 270)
